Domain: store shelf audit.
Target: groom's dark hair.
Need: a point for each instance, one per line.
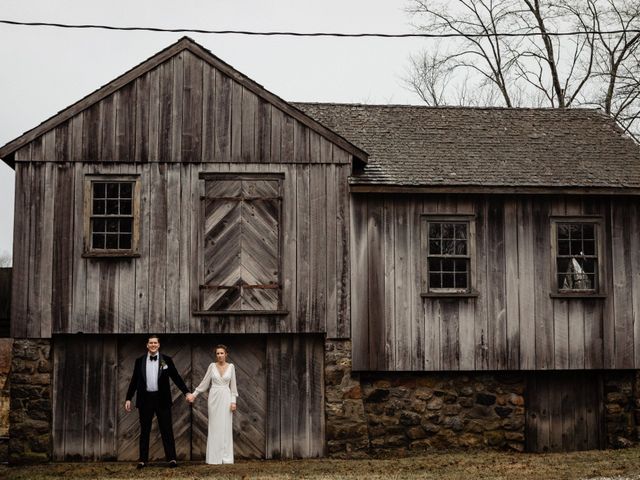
(153, 336)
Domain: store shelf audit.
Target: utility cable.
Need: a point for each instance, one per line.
(320, 34)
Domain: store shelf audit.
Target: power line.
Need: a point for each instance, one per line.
(317, 34)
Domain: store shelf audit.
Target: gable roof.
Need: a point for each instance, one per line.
(184, 43)
(414, 146)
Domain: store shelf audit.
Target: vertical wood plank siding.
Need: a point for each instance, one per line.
(513, 323)
(56, 290)
(174, 122)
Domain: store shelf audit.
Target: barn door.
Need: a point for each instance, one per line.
(247, 353)
(130, 348)
(240, 243)
(563, 412)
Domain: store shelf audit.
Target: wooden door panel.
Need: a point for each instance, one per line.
(247, 353)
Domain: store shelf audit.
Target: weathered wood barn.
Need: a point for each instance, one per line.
(385, 276)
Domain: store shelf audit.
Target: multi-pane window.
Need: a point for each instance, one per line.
(448, 256)
(111, 222)
(576, 256)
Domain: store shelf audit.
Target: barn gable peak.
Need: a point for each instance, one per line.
(185, 44)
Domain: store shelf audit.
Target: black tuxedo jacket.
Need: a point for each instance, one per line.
(138, 381)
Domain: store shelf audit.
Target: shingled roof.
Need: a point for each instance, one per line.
(488, 147)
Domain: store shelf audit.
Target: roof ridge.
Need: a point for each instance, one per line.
(448, 107)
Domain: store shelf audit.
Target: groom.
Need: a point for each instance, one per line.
(150, 380)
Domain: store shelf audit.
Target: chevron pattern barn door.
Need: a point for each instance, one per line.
(241, 238)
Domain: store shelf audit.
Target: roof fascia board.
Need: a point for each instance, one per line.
(507, 190)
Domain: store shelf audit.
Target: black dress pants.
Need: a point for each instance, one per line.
(152, 407)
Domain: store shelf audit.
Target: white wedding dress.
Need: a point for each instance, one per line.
(222, 393)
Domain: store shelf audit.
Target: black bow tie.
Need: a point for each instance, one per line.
(153, 357)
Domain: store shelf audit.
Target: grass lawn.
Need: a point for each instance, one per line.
(614, 464)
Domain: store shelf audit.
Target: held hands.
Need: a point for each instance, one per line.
(233, 407)
(190, 397)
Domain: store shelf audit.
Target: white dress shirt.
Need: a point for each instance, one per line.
(152, 373)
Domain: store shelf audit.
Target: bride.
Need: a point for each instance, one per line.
(220, 380)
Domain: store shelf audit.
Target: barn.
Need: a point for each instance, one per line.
(387, 277)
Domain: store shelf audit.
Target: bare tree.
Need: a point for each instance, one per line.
(537, 67)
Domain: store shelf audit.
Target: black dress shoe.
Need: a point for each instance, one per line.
(173, 464)
(140, 465)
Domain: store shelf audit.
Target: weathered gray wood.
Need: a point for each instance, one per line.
(173, 236)
(185, 254)
(21, 238)
(222, 118)
(512, 299)
(343, 267)
(263, 132)
(609, 330)
(544, 313)
(192, 110)
(403, 300)
(158, 245)
(318, 249)
(359, 283)
(376, 262)
(156, 114)
(482, 353)
(621, 246)
(303, 303)
(236, 122)
(177, 98)
(526, 289)
(274, 368)
(37, 296)
(331, 254)
(387, 336)
(125, 127)
(142, 93)
(249, 126)
(107, 141)
(165, 112)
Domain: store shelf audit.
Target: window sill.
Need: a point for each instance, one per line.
(471, 294)
(125, 254)
(240, 313)
(577, 295)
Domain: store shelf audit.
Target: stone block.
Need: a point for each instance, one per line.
(485, 399)
(377, 395)
(494, 438)
(503, 412)
(435, 403)
(410, 418)
(354, 393)
(333, 375)
(415, 433)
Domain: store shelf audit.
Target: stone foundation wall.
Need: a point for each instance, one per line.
(400, 412)
(444, 411)
(621, 408)
(30, 416)
(372, 413)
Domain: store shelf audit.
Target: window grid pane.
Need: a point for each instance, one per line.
(112, 216)
(576, 258)
(447, 256)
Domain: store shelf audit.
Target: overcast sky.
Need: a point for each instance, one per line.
(47, 69)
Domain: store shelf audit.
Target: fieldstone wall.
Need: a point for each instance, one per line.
(346, 423)
(444, 411)
(6, 345)
(30, 416)
(400, 412)
(622, 407)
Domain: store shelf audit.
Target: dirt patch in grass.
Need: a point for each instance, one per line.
(607, 464)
